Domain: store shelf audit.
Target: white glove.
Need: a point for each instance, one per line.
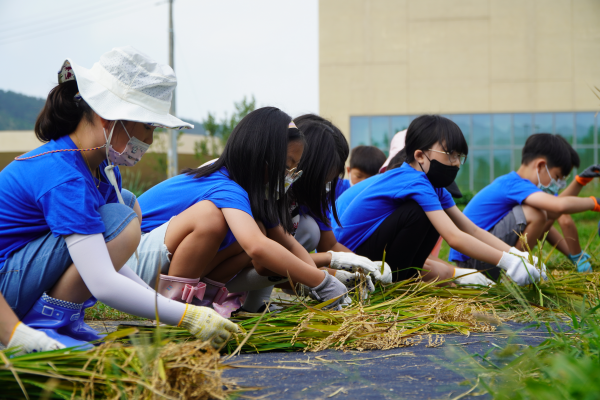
(386, 277)
(206, 324)
(31, 340)
(475, 278)
(519, 270)
(352, 280)
(525, 255)
(350, 262)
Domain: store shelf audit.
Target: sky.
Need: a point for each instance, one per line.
(224, 49)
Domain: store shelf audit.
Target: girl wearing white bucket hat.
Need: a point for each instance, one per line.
(66, 225)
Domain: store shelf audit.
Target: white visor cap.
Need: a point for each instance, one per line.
(127, 85)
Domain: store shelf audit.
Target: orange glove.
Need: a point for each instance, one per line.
(582, 180)
(596, 205)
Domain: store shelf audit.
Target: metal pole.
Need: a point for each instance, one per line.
(172, 156)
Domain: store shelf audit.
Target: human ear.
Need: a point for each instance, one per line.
(419, 155)
(348, 170)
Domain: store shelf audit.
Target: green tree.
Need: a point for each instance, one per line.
(222, 129)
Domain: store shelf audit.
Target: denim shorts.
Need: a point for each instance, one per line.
(36, 267)
(154, 257)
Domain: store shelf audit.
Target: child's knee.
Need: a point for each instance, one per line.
(565, 220)
(118, 218)
(212, 222)
(128, 198)
(534, 215)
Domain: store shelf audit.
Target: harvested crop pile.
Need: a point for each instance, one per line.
(170, 370)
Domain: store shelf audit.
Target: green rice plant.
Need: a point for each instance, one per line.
(564, 366)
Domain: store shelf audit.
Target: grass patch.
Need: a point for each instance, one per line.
(102, 312)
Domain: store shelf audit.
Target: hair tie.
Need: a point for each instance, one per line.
(77, 98)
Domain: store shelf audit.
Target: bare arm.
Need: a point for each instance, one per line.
(288, 241)
(267, 252)
(561, 204)
(572, 190)
(8, 321)
(462, 241)
(466, 225)
(327, 242)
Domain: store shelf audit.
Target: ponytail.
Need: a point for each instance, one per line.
(62, 113)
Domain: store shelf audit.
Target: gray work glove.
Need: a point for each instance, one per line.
(329, 289)
(593, 171)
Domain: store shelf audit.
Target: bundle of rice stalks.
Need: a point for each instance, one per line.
(394, 316)
(189, 370)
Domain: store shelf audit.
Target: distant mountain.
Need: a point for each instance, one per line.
(19, 112)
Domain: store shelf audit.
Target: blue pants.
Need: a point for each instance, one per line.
(36, 267)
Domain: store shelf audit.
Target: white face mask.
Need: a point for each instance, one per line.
(133, 152)
(291, 176)
(554, 186)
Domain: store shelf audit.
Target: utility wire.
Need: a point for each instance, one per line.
(58, 16)
(74, 24)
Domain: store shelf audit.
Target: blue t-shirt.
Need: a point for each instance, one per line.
(51, 193)
(494, 202)
(364, 206)
(175, 195)
(341, 187)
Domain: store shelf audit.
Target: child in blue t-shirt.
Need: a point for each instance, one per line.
(365, 161)
(67, 227)
(403, 211)
(205, 226)
(311, 202)
(525, 202)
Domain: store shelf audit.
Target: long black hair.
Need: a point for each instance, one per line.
(259, 142)
(62, 113)
(326, 155)
(427, 130)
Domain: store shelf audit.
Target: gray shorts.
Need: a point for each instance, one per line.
(154, 257)
(508, 230)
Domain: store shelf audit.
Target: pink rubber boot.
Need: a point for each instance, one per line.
(215, 293)
(184, 290)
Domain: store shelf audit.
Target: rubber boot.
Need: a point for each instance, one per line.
(215, 293)
(79, 329)
(49, 318)
(184, 290)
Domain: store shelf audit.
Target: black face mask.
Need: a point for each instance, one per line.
(440, 175)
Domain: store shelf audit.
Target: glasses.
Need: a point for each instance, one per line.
(292, 174)
(453, 158)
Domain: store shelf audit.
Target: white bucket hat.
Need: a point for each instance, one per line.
(127, 85)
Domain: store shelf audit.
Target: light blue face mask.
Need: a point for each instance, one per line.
(554, 186)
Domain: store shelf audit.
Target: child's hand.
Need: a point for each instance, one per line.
(206, 324)
(328, 289)
(350, 262)
(31, 340)
(469, 277)
(519, 270)
(386, 277)
(591, 172)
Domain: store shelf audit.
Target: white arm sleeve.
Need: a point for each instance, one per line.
(90, 256)
(128, 273)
